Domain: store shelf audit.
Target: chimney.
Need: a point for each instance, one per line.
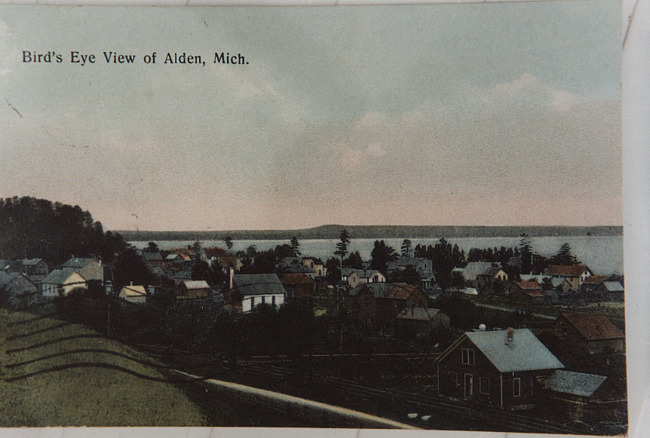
(510, 335)
(232, 278)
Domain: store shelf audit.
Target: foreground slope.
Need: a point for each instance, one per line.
(54, 373)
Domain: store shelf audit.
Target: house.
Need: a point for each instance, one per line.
(224, 258)
(316, 265)
(90, 269)
(490, 277)
(35, 268)
(133, 294)
(298, 285)
(613, 290)
(377, 305)
(423, 266)
(591, 332)
(504, 368)
(193, 289)
(360, 276)
(585, 397)
(574, 274)
(246, 291)
(17, 290)
(413, 321)
(473, 270)
(527, 289)
(60, 282)
(293, 265)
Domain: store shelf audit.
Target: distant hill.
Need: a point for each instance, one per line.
(376, 232)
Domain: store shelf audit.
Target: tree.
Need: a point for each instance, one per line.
(406, 248)
(295, 246)
(380, 256)
(228, 241)
(354, 260)
(342, 246)
(333, 269)
(526, 251)
(152, 247)
(564, 256)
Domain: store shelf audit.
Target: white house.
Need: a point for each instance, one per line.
(63, 281)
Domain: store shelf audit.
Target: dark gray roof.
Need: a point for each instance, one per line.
(571, 382)
(31, 262)
(418, 313)
(77, 262)
(58, 276)
(258, 284)
(377, 289)
(524, 353)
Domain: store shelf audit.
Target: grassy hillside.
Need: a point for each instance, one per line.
(55, 373)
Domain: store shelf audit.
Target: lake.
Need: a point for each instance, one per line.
(603, 254)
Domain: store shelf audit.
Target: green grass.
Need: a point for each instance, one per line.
(46, 381)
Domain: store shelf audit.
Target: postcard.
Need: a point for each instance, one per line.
(357, 217)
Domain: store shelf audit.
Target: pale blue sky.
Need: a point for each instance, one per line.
(444, 114)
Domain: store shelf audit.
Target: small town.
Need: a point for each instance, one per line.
(428, 337)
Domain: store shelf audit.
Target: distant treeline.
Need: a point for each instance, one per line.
(376, 232)
(38, 228)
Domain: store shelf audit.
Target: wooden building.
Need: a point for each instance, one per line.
(377, 305)
(591, 332)
(502, 367)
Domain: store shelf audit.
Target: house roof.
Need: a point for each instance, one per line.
(6, 278)
(524, 353)
(77, 262)
(613, 286)
(473, 269)
(152, 256)
(595, 279)
(396, 291)
(571, 382)
(134, 291)
(491, 272)
(258, 284)
(418, 313)
(366, 273)
(294, 278)
(59, 276)
(529, 285)
(31, 262)
(567, 270)
(196, 284)
(593, 326)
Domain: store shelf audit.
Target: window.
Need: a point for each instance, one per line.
(273, 300)
(252, 302)
(484, 385)
(468, 356)
(263, 300)
(516, 387)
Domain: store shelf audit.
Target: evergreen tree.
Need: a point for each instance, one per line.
(295, 246)
(228, 241)
(342, 246)
(380, 256)
(406, 248)
(564, 256)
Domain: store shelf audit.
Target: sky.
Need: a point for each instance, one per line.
(475, 114)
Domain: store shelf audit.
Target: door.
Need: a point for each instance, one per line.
(469, 386)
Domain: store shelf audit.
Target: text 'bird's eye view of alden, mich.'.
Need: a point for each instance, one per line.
(376, 217)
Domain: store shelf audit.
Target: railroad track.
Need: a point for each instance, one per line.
(400, 402)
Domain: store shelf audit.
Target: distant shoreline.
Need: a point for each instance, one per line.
(377, 232)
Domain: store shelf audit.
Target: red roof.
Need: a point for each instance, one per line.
(595, 279)
(567, 270)
(534, 293)
(593, 326)
(296, 278)
(529, 285)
